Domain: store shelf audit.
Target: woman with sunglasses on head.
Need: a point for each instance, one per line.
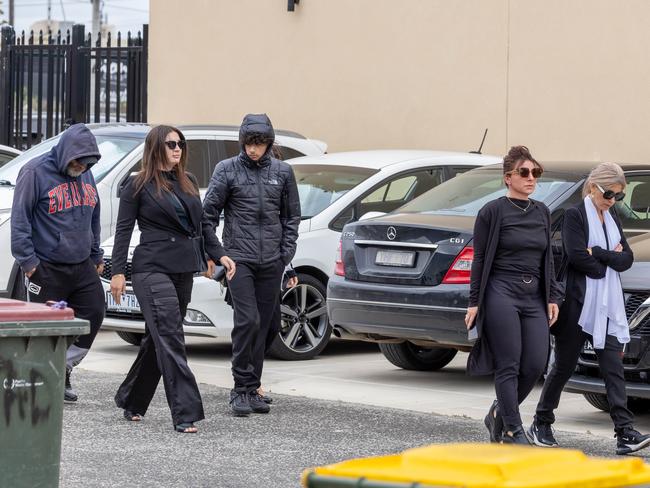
(513, 294)
(594, 310)
(164, 200)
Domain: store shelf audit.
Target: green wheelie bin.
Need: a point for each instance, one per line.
(33, 342)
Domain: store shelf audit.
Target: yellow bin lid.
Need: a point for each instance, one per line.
(489, 466)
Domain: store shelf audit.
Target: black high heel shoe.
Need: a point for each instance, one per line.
(132, 416)
(184, 427)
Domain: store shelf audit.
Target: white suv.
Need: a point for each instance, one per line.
(334, 189)
(121, 146)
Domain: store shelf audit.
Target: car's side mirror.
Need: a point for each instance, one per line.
(371, 215)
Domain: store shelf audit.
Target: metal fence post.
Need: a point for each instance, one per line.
(144, 67)
(6, 40)
(77, 78)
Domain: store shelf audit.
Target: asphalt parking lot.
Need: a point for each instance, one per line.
(101, 449)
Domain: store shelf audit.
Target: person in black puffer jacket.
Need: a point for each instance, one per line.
(259, 198)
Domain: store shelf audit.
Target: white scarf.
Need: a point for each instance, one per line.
(604, 297)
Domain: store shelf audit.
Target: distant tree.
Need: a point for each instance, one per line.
(2, 14)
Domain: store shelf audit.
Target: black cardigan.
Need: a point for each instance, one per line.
(166, 245)
(485, 243)
(575, 237)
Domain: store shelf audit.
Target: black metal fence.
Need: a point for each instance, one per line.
(49, 82)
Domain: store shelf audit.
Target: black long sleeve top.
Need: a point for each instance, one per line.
(521, 247)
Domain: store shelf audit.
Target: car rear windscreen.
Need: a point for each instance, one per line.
(112, 149)
(321, 185)
(467, 193)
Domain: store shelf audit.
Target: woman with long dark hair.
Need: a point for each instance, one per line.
(164, 200)
(596, 252)
(513, 294)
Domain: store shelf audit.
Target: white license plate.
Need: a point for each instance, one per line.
(403, 259)
(129, 303)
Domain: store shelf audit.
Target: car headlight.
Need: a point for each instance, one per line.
(194, 317)
(5, 215)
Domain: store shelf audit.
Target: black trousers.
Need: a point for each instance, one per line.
(569, 341)
(79, 285)
(163, 300)
(255, 297)
(517, 333)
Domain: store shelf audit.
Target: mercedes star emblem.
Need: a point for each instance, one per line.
(391, 233)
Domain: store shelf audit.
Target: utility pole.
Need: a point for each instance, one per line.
(97, 16)
(11, 13)
(49, 15)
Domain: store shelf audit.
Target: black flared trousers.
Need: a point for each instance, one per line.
(163, 300)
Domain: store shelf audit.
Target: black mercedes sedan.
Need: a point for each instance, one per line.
(402, 279)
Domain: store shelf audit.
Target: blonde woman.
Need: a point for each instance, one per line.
(594, 310)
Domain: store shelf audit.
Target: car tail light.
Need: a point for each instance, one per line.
(461, 269)
(339, 270)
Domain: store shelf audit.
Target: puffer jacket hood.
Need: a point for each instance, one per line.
(256, 124)
(76, 142)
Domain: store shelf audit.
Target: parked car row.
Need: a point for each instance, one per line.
(334, 189)
(402, 280)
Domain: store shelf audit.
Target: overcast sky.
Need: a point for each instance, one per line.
(124, 14)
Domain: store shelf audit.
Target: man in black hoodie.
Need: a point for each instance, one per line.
(259, 197)
(55, 234)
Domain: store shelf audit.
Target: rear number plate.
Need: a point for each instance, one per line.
(129, 303)
(402, 259)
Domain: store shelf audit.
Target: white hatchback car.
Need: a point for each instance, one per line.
(334, 189)
(7, 153)
(121, 147)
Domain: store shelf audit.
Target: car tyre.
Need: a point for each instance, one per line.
(305, 328)
(407, 355)
(130, 337)
(597, 400)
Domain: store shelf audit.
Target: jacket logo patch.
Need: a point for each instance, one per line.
(65, 196)
(34, 289)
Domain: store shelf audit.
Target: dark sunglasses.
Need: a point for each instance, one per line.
(525, 172)
(609, 194)
(172, 144)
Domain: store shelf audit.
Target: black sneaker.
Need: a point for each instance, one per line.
(629, 440)
(239, 404)
(69, 395)
(541, 434)
(516, 436)
(494, 423)
(257, 404)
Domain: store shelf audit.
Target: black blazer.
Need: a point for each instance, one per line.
(166, 245)
(580, 264)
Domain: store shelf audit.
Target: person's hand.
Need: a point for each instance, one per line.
(100, 268)
(118, 287)
(210, 271)
(589, 251)
(230, 266)
(618, 248)
(292, 282)
(553, 312)
(30, 273)
(470, 316)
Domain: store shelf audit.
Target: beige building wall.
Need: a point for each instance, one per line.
(569, 78)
